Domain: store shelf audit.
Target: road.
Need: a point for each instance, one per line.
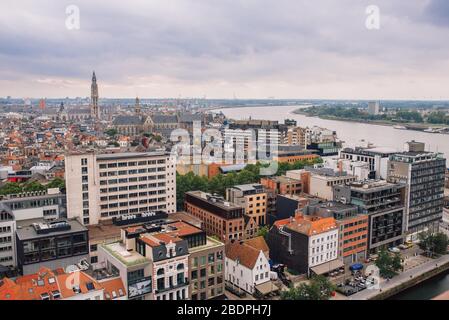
(399, 279)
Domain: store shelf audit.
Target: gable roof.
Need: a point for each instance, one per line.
(258, 243)
(246, 252)
(127, 120)
(164, 118)
(308, 225)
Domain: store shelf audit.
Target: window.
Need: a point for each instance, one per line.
(135, 275)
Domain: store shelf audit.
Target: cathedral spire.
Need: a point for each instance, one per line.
(94, 111)
(137, 106)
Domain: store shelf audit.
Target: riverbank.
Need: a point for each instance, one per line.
(406, 280)
(408, 125)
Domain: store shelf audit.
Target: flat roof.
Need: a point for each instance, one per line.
(118, 250)
(210, 243)
(370, 185)
(248, 187)
(382, 150)
(128, 155)
(103, 232)
(184, 216)
(26, 231)
(35, 197)
(220, 202)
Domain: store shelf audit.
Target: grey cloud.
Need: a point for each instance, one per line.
(197, 43)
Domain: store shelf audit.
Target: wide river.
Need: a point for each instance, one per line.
(351, 133)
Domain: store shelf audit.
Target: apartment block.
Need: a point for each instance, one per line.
(383, 203)
(375, 157)
(352, 225)
(423, 174)
(14, 209)
(282, 185)
(103, 186)
(55, 244)
(307, 244)
(322, 181)
(221, 218)
(254, 199)
(296, 136)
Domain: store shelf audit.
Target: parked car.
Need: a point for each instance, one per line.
(394, 250)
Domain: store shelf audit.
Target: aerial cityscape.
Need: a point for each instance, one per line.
(164, 165)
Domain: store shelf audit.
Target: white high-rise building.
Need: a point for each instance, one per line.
(103, 186)
(374, 107)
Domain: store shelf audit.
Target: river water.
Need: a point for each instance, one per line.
(351, 133)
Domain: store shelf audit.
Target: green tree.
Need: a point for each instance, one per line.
(263, 232)
(388, 264)
(319, 288)
(33, 186)
(56, 183)
(433, 243)
(441, 242)
(438, 117)
(11, 188)
(219, 183)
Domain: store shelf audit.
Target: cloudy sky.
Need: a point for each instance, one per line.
(226, 48)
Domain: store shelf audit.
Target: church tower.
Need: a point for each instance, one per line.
(94, 111)
(137, 106)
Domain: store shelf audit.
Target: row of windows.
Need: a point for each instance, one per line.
(132, 195)
(133, 171)
(7, 248)
(131, 164)
(350, 248)
(134, 210)
(322, 239)
(5, 239)
(5, 229)
(329, 245)
(5, 259)
(200, 285)
(125, 188)
(210, 258)
(355, 239)
(329, 255)
(131, 203)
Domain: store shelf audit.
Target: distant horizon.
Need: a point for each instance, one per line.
(230, 99)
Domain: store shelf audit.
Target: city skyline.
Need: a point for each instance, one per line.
(210, 49)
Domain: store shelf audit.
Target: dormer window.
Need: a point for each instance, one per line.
(45, 296)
